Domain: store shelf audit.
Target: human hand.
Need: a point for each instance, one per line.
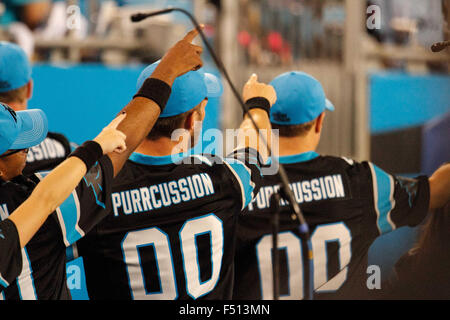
(255, 89)
(180, 59)
(111, 139)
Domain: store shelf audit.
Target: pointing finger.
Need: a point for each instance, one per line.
(115, 123)
(192, 34)
(253, 78)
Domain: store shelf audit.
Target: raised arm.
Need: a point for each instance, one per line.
(118, 141)
(259, 97)
(142, 112)
(59, 183)
(440, 187)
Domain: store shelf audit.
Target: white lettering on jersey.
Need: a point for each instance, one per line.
(322, 188)
(47, 149)
(164, 194)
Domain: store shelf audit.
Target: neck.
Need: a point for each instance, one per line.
(160, 148)
(295, 145)
(6, 175)
(18, 105)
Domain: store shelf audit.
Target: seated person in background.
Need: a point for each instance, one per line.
(31, 12)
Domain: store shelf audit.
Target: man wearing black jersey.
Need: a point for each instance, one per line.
(16, 88)
(44, 257)
(346, 204)
(25, 129)
(171, 232)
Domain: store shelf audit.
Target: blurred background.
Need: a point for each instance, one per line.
(373, 58)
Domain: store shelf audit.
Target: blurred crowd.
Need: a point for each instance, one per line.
(271, 32)
(282, 32)
(30, 23)
(406, 21)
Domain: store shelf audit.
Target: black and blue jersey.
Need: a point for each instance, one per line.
(10, 255)
(42, 273)
(48, 154)
(346, 204)
(171, 232)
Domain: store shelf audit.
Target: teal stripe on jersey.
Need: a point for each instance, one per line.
(70, 215)
(70, 255)
(243, 175)
(383, 187)
(3, 282)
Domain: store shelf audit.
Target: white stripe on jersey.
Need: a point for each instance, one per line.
(349, 161)
(392, 200)
(375, 198)
(77, 203)
(25, 282)
(202, 159)
(63, 225)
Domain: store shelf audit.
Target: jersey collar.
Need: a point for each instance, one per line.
(296, 158)
(157, 161)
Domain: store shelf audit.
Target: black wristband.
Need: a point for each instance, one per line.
(258, 102)
(89, 152)
(156, 90)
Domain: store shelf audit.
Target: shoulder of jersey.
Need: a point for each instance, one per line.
(339, 160)
(60, 137)
(346, 163)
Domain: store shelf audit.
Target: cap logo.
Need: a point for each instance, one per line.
(281, 117)
(11, 111)
(5, 85)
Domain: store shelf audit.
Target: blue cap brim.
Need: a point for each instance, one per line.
(213, 85)
(328, 105)
(34, 129)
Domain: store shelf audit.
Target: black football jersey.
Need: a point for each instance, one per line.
(48, 154)
(171, 232)
(10, 255)
(43, 272)
(346, 204)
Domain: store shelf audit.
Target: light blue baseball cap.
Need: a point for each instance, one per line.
(15, 69)
(300, 99)
(187, 91)
(21, 129)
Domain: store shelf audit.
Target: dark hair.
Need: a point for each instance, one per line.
(164, 127)
(294, 130)
(434, 240)
(423, 272)
(19, 94)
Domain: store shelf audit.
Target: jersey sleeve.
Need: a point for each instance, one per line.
(398, 201)
(245, 168)
(10, 254)
(87, 204)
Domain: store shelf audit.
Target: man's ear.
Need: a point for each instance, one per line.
(30, 86)
(190, 121)
(198, 114)
(319, 123)
(202, 108)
